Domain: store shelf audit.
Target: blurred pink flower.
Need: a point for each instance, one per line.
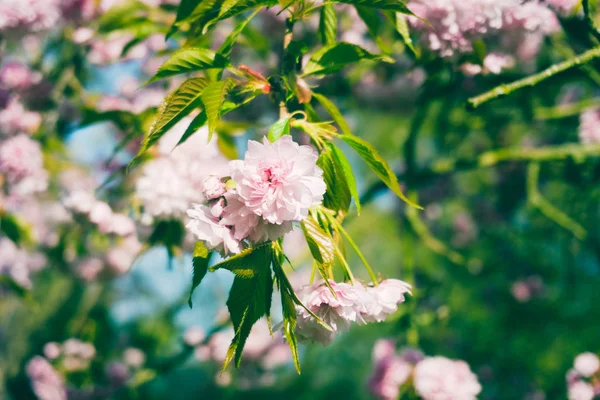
(15, 119)
(389, 374)
(279, 181)
(135, 358)
(29, 15)
(194, 336)
(22, 163)
(52, 350)
(439, 378)
(589, 127)
(581, 390)
(15, 75)
(587, 364)
(46, 383)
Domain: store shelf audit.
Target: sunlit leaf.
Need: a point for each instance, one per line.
(328, 24)
(333, 58)
(212, 98)
(190, 59)
(200, 267)
(279, 129)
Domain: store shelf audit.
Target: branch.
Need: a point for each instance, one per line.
(532, 80)
(538, 201)
(589, 19)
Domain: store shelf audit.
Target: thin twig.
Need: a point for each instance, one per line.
(532, 80)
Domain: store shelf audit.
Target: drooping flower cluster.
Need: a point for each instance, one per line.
(453, 26)
(583, 380)
(271, 188)
(433, 378)
(351, 303)
(174, 180)
(22, 164)
(589, 127)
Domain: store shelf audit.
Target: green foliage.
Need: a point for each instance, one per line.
(279, 129)
(320, 244)
(15, 228)
(201, 258)
(328, 24)
(391, 5)
(190, 59)
(249, 297)
(337, 196)
(213, 97)
(334, 57)
(334, 112)
(227, 46)
(377, 164)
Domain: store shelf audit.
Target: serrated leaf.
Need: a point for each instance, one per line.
(346, 170)
(372, 19)
(249, 300)
(175, 107)
(378, 164)
(337, 196)
(198, 122)
(209, 12)
(212, 98)
(401, 25)
(334, 57)
(190, 59)
(279, 129)
(200, 267)
(227, 45)
(243, 264)
(334, 112)
(392, 5)
(328, 24)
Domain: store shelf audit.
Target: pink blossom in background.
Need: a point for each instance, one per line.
(389, 374)
(19, 264)
(494, 63)
(279, 181)
(29, 15)
(134, 358)
(90, 268)
(117, 373)
(587, 364)
(439, 378)
(589, 127)
(194, 336)
(46, 383)
(15, 75)
(15, 119)
(581, 390)
(52, 350)
(563, 7)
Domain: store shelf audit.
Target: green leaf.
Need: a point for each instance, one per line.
(279, 129)
(15, 228)
(209, 12)
(328, 24)
(321, 246)
(175, 107)
(392, 5)
(372, 19)
(401, 25)
(198, 122)
(337, 196)
(249, 300)
(348, 174)
(244, 263)
(190, 59)
(213, 97)
(200, 267)
(334, 57)
(227, 46)
(122, 15)
(378, 165)
(334, 112)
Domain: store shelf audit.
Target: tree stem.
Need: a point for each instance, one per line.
(287, 39)
(532, 80)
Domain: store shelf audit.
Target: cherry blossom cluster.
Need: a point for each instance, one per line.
(49, 375)
(19, 264)
(263, 195)
(453, 26)
(432, 378)
(22, 165)
(339, 304)
(583, 379)
(589, 127)
(263, 353)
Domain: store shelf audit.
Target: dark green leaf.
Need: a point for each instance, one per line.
(244, 263)
(348, 174)
(334, 57)
(392, 5)
(190, 59)
(328, 24)
(198, 122)
(200, 267)
(401, 25)
(175, 107)
(15, 228)
(377, 164)
(227, 46)
(212, 98)
(334, 112)
(337, 197)
(249, 300)
(279, 129)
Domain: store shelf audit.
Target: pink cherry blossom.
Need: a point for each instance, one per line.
(213, 187)
(581, 390)
(439, 378)
(279, 181)
(207, 228)
(389, 374)
(589, 127)
(21, 161)
(15, 75)
(386, 297)
(15, 119)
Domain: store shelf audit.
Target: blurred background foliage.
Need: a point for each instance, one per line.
(503, 280)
